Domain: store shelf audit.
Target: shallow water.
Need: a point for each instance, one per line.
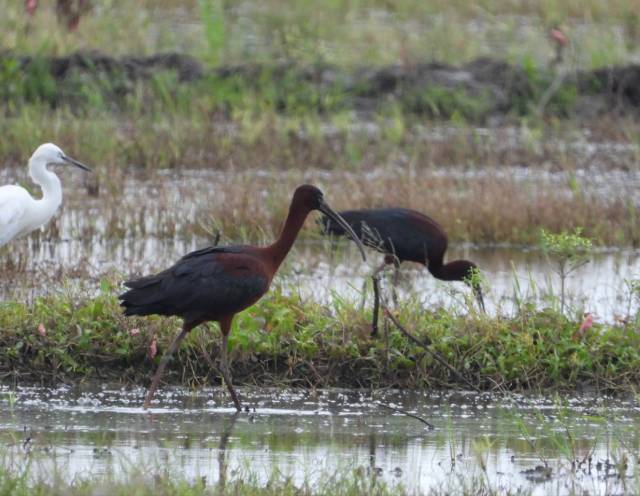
(314, 270)
(84, 246)
(76, 432)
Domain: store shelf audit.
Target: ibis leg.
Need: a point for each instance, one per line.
(363, 292)
(224, 366)
(163, 363)
(376, 305)
(376, 299)
(396, 279)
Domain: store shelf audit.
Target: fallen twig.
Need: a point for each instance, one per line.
(439, 358)
(404, 412)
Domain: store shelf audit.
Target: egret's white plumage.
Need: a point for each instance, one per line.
(19, 212)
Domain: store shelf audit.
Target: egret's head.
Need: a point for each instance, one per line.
(51, 154)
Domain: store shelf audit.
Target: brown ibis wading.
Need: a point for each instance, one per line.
(215, 283)
(405, 235)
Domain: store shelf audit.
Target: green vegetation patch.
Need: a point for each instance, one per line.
(287, 340)
(179, 84)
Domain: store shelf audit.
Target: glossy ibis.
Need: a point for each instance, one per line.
(405, 235)
(215, 283)
(19, 212)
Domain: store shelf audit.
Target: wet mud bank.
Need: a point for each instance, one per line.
(481, 90)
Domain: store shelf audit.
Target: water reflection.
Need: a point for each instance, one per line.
(309, 434)
(223, 465)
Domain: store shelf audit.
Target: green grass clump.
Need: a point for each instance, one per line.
(569, 251)
(440, 102)
(159, 482)
(283, 339)
(288, 88)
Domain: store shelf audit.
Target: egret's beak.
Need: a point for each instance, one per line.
(78, 164)
(477, 290)
(330, 213)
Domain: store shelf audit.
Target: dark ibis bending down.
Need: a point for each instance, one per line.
(406, 235)
(215, 283)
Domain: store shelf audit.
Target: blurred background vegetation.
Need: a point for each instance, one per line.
(413, 86)
(341, 32)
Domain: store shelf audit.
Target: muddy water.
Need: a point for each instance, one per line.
(83, 432)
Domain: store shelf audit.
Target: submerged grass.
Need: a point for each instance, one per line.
(141, 483)
(287, 340)
(19, 482)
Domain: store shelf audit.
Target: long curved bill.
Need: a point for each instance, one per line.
(329, 212)
(75, 162)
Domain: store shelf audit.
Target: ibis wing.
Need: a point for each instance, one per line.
(203, 285)
(405, 233)
(13, 206)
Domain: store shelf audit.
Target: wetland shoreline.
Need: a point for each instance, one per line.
(288, 341)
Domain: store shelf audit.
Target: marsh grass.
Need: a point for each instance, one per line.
(404, 32)
(266, 140)
(23, 481)
(143, 482)
(249, 167)
(568, 252)
(213, 20)
(289, 340)
(278, 118)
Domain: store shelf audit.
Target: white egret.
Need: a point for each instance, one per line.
(19, 212)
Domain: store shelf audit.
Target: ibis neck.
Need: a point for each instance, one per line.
(48, 181)
(441, 271)
(447, 272)
(277, 251)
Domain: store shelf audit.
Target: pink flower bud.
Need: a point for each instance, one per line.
(30, 6)
(559, 37)
(587, 323)
(153, 347)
